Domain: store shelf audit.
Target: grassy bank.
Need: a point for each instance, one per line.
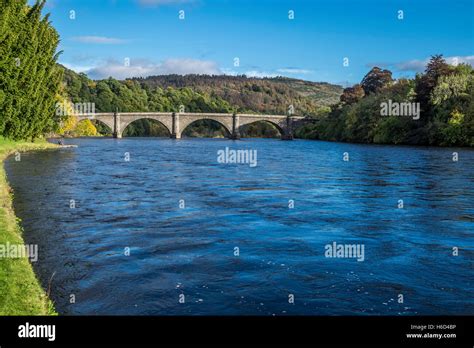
(20, 290)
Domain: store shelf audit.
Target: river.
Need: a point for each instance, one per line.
(141, 225)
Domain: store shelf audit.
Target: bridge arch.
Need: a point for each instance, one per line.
(185, 123)
(99, 124)
(126, 120)
(279, 127)
(124, 126)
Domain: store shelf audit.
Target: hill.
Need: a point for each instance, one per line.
(249, 94)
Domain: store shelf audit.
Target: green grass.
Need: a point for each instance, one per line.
(20, 290)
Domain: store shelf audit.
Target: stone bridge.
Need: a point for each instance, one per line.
(176, 122)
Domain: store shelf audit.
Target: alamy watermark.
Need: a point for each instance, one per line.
(17, 251)
(230, 156)
(37, 331)
(348, 251)
(392, 108)
(67, 108)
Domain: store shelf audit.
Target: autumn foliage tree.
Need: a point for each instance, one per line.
(352, 94)
(375, 80)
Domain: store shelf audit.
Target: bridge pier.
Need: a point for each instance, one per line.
(175, 133)
(288, 130)
(235, 127)
(117, 131)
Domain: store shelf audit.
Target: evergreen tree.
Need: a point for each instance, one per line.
(29, 75)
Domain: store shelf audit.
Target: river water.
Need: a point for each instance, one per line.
(223, 238)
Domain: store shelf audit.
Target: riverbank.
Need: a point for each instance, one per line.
(20, 290)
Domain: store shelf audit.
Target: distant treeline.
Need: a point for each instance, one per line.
(199, 93)
(375, 111)
(29, 76)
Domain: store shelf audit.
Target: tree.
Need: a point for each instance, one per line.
(450, 87)
(375, 80)
(68, 120)
(85, 128)
(437, 67)
(351, 95)
(425, 83)
(29, 75)
(448, 120)
(450, 104)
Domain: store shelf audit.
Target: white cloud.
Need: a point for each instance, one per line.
(249, 73)
(256, 73)
(420, 65)
(412, 65)
(189, 66)
(227, 71)
(99, 40)
(294, 71)
(461, 59)
(180, 66)
(77, 68)
(143, 68)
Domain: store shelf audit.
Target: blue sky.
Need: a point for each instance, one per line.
(312, 46)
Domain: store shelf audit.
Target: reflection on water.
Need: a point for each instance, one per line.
(192, 251)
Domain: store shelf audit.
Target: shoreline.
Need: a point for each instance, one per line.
(21, 292)
(296, 139)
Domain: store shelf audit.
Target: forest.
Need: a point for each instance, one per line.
(444, 93)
